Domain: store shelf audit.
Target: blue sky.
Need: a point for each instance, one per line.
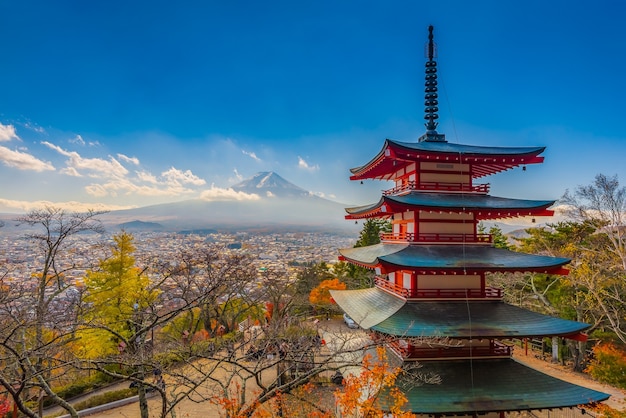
(121, 104)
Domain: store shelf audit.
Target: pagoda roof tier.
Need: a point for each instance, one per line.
(385, 313)
(450, 258)
(483, 160)
(483, 206)
(494, 385)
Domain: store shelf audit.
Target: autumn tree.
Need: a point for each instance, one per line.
(602, 203)
(372, 391)
(118, 303)
(38, 313)
(308, 278)
(115, 292)
(608, 365)
(320, 296)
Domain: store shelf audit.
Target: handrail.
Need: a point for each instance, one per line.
(391, 287)
(436, 237)
(438, 187)
(499, 350)
(487, 293)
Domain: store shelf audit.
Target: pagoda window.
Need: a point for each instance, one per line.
(456, 286)
(445, 177)
(407, 280)
(447, 227)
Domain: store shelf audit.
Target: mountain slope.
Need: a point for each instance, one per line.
(269, 184)
(281, 206)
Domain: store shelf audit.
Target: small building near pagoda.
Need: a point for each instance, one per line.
(431, 303)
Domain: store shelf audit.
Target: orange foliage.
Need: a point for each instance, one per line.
(201, 335)
(321, 294)
(608, 365)
(5, 405)
(361, 394)
(605, 411)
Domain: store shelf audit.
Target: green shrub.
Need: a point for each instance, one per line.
(105, 398)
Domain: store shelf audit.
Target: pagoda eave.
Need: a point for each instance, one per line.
(482, 160)
(504, 384)
(390, 268)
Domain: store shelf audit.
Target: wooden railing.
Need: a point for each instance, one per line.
(438, 187)
(487, 293)
(391, 287)
(495, 350)
(452, 238)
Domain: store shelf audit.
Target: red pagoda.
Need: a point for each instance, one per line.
(430, 276)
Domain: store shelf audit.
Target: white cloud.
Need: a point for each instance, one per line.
(70, 171)
(219, 194)
(251, 155)
(7, 133)
(147, 177)
(37, 129)
(7, 205)
(77, 140)
(306, 166)
(23, 161)
(98, 167)
(176, 176)
(132, 160)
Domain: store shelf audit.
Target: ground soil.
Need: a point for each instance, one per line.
(192, 410)
(618, 396)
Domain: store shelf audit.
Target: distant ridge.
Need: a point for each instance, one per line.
(281, 206)
(140, 225)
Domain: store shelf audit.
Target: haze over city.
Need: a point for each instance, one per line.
(127, 104)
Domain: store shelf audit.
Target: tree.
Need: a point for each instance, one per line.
(308, 278)
(320, 296)
(372, 228)
(602, 203)
(608, 365)
(372, 392)
(114, 293)
(497, 236)
(117, 297)
(38, 313)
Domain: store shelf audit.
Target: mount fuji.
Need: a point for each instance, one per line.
(270, 203)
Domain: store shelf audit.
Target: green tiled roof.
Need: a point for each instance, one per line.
(455, 201)
(367, 307)
(478, 319)
(490, 386)
(470, 257)
(380, 311)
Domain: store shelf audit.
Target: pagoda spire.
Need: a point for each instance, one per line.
(431, 96)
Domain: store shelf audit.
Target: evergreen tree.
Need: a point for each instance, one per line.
(370, 234)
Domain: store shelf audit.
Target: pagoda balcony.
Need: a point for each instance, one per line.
(407, 352)
(436, 238)
(437, 187)
(391, 287)
(486, 293)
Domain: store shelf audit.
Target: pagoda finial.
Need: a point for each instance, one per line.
(431, 96)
